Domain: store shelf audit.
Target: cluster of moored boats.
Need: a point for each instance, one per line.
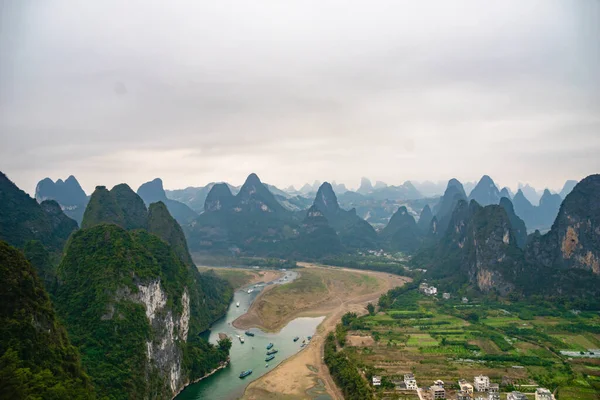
(270, 356)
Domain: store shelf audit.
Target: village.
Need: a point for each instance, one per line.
(480, 389)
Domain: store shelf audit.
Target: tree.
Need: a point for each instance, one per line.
(224, 344)
(371, 309)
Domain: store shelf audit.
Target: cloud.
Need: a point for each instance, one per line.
(297, 91)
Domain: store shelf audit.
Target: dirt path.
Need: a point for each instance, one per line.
(306, 370)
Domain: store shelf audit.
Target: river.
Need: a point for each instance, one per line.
(226, 384)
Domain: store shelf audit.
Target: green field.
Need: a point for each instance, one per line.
(515, 344)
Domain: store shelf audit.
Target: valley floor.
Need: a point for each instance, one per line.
(320, 290)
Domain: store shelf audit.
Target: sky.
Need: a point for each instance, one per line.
(297, 91)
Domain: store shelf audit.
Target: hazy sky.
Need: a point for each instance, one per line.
(197, 91)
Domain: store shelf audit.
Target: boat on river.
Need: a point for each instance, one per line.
(269, 358)
(245, 373)
(250, 291)
(272, 351)
(296, 339)
(240, 338)
(249, 333)
(269, 346)
(237, 304)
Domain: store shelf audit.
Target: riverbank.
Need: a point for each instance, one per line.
(298, 375)
(317, 292)
(220, 367)
(241, 277)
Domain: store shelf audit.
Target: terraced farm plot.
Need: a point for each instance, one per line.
(435, 341)
(421, 340)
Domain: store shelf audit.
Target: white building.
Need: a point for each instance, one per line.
(494, 391)
(481, 383)
(446, 296)
(465, 386)
(437, 392)
(439, 382)
(431, 291)
(543, 394)
(410, 381)
(376, 380)
(465, 300)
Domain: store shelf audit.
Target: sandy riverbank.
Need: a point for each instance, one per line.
(306, 370)
(240, 277)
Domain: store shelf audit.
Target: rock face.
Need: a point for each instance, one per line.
(131, 304)
(68, 194)
(402, 232)
(574, 239)
(486, 192)
(443, 210)
(479, 247)
(153, 191)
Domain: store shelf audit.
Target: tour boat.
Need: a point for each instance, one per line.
(270, 358)
(296, 339)
(249, 333)
(269, 346)
(273, 351)
(245, 373)
(237, 304)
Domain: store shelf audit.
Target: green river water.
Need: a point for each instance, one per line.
(226, 384)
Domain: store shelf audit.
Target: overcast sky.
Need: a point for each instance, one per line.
(197, 91)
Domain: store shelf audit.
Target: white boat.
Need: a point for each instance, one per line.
(250, 291)
(237, 304)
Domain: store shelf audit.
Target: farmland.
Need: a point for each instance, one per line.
(516, 344)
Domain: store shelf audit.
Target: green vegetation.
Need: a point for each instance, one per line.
(37, 360)
(41, 230)
(163, 225)
(344, 371)
(392, 265)
(101, 275)
(120, 206)
(449, 340)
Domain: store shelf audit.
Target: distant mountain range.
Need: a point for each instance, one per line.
(486, 247)
(115, 308)
(68, 194)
